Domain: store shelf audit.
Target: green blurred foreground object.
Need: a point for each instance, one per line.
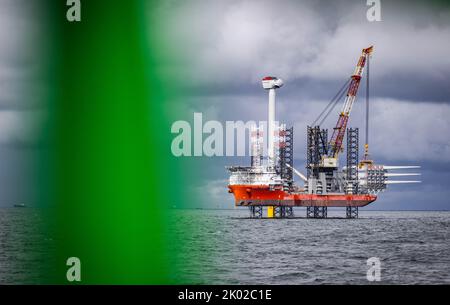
(106, 172)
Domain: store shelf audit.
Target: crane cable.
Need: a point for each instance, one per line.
(367, 102)
(332, 103)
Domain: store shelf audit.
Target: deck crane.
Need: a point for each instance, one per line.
(335, 144)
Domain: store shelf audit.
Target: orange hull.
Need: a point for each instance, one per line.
(246, 195)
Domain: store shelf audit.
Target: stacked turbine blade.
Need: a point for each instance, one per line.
(389, 174)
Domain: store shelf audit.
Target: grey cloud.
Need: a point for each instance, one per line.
(226, 43)
(22, 94)
(22, 65)
(225, 47)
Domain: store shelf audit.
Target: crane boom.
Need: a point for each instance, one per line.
(339, 131)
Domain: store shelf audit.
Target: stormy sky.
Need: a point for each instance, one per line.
(22, 94)
(228, 46)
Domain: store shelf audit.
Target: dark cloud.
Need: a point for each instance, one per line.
(314, 45)
(227, 43)
(23, 91)
(22, 64)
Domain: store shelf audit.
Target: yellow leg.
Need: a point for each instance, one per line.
(270, 211)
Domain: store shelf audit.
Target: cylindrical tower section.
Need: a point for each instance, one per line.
(271, 83)
(271, 129)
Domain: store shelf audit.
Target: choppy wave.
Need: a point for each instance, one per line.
(223, 247)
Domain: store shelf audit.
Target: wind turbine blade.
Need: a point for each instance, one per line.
(303, 177)
(401, 174)
(400, 182)
(400, 167)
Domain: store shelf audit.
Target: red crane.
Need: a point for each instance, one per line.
(339, 131)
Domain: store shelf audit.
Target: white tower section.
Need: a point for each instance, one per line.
(271, 83)
(257, 146)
